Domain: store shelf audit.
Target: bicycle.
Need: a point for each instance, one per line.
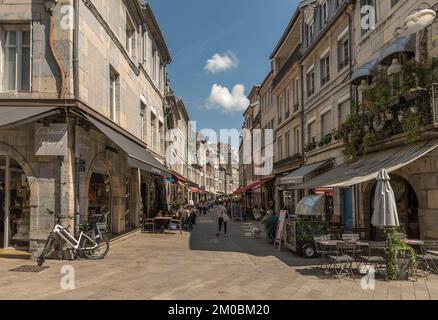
(93, 247)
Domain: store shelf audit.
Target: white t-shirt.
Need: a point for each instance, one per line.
(221, 212)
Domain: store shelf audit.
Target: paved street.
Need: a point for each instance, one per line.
(198, 266)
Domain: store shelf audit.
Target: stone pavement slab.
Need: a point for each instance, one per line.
(199, 266)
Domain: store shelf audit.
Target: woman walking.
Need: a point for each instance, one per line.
(223, 218)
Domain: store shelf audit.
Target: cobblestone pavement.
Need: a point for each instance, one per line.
(199, 266)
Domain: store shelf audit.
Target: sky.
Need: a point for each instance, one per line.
(220, 50)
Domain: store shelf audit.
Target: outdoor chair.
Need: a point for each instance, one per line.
(149, 223)
(323, 253)
(344, 259)
(429, 260)
(376, 256)
(350, 237)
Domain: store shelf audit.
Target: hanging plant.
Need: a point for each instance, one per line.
(396, 249)
(411, 124)
(369, 140)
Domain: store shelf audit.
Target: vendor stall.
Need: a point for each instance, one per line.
(309, 221)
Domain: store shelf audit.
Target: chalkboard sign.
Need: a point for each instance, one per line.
(280, 229)
(236, 212)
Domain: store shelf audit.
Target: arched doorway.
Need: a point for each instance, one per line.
(407, 207)
(15, 209)
(99, 197)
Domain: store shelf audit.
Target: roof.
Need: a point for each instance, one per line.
(155, 30)
(286, 32)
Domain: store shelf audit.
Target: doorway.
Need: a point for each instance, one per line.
(407, 208)
(14, 205)
(99, 198)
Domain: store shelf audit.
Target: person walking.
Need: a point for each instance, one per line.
(223, 219)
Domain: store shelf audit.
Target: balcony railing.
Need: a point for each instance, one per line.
(293, 58)
(287, 160)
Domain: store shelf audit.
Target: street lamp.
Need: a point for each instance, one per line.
(419, 19)
(395, 67)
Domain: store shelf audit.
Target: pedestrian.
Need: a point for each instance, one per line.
(223, 219)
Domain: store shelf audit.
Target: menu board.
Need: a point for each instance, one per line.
(280, 229)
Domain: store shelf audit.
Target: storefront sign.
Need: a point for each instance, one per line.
(51, 140)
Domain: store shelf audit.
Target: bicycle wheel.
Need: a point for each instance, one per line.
(101, 251)
(48, 246)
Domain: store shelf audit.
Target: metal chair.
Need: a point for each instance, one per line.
(429, 260)
(376, 256)
(344, 259)
(149, 222)
(323, 252)
(350, 237)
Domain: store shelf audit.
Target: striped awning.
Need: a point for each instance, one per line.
(399, 45)
(368, 167)
(298, 175)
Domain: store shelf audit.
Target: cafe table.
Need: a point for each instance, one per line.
(164, 220)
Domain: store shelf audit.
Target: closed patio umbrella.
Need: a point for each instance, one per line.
(385, 208)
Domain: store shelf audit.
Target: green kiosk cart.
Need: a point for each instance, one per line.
(308, 222)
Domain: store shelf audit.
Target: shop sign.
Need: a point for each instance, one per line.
(51, 140)
(81, 166)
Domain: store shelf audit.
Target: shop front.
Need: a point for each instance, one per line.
(413, 171)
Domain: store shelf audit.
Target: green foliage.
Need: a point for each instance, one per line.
(395, 250)
(411, 125)
(177, 204)
(369, 139)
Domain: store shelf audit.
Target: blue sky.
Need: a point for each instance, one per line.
(242, 32)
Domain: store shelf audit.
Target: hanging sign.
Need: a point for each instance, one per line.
(51, 140)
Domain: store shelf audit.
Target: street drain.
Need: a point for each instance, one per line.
(30, 269)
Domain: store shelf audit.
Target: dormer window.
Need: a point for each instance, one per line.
(324, 13)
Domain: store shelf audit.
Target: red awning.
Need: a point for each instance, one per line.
(179, 178)
(195, 190)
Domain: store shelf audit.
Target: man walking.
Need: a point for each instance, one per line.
(222, 217)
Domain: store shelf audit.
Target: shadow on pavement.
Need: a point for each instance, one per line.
(240, 240)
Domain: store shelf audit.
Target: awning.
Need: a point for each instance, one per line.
(368, 167)
(404, 44)
(10, 115)
(195, 190)
(363, 72)
(298, 175)
(138, 156)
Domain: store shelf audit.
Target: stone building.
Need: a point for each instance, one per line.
(82, 117)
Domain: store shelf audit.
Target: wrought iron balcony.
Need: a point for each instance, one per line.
(293, 59)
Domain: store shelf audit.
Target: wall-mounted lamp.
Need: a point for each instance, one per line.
(395, 67)
(49, 5)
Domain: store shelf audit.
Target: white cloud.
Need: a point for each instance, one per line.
(228, 102)
(221, 62)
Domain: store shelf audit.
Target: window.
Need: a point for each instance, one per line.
(154, 130)
(287, 102)
(287, 144)
(325, 70)
(311, 132)
(16, 66)
(310, 83)
(327, 123)
(369, 16)
(280, 108)
(143, 121)
(297, 140)
(344, 111)
(343, 53)
(114, 94)
(309, 31)
(394, 2)
(154, 64)
(296, 95)
(161, 132)
(280, 149)
(130, 36)
(324, 13)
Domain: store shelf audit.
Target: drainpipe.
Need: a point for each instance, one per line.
(76, 50)
(59, 66)
(350, 71)
(76, 97)
(301, 192)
